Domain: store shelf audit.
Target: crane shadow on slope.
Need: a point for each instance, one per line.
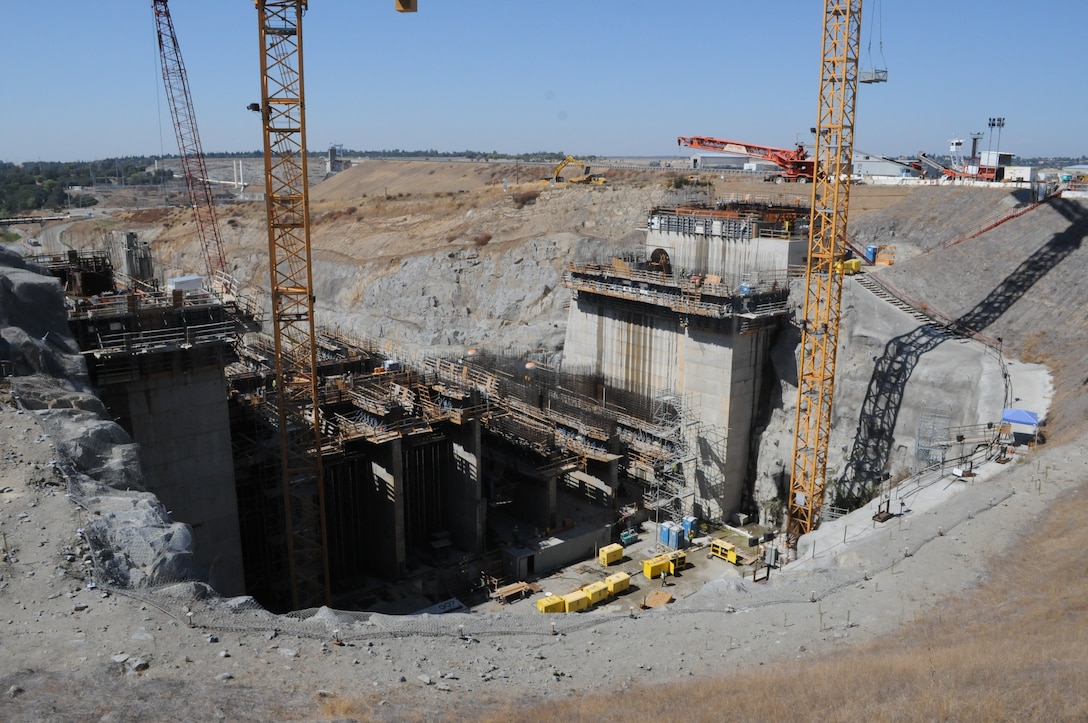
(869, 457)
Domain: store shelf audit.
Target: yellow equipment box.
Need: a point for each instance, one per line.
(610, 553)
(725, 550)
(596, 592)
(670, 562)
(551, 604)
(575, 601)
(617, 582)
(652, 568)
(848, 267)
(677, 560)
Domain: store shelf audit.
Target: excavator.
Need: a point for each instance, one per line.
(595, 179)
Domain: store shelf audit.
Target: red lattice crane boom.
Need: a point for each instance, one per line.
(795, 164)
(192, 155)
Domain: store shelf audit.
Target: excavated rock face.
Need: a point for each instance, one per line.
(34, 336)
(134, 541)
(500, 299)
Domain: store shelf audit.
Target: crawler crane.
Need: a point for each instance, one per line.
(192, 155)
(795, 163)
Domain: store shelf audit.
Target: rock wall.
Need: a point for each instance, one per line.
(133, 539)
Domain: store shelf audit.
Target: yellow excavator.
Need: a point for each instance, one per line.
(595, 179)
(568, 161)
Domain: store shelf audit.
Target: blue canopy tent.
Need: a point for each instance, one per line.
(1022, 416)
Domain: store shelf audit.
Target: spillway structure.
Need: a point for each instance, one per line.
(446, 475)
(688, 320)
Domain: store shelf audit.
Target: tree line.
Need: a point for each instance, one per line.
(43, 185)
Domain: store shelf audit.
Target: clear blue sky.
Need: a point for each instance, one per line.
(597, 77)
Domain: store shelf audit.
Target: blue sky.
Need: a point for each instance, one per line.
(604, 77)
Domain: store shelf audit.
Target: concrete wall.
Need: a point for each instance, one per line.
(633, 347)
(710, 252)
(390, 548)
(717, 373)
(580, 543)
(181, 423)
(468, 510)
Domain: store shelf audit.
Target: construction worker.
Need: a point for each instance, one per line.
(662, 578)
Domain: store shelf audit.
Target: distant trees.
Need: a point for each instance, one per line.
(39, 185)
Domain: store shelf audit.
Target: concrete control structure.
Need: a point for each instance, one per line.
(688, 320)
(157, 360)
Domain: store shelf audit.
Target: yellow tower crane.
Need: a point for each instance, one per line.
(823, 276)
(288, 210)
(287, 205)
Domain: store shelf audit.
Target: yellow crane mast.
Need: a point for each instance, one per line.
(823, 277)
(287, 206)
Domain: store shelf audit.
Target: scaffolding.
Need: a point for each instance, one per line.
(934, 427)
(663, 450)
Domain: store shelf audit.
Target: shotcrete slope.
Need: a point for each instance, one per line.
(1023, 282)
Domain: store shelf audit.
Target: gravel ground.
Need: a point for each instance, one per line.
(69, 651)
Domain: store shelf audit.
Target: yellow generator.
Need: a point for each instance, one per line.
(670, 562)
(617, 582)
(610, 554)
(653, 567)
(551, 604)
(677, 560)
(596, 592)
(575, 601)
(725, 550)
(848, 267)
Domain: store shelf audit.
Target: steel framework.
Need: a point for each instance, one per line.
(192, 155)
(287, 205)
(823, 282)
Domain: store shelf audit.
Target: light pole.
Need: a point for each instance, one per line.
(997, 123)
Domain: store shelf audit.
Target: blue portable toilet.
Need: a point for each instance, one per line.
(675, 535)
(691, 526)
(870, 253)
(663, 532)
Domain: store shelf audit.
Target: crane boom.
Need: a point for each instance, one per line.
(192, 155)
(287, 205)
(795, 164)
(823, 279)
